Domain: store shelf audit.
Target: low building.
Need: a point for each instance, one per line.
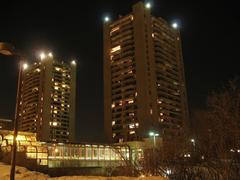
(41, 155)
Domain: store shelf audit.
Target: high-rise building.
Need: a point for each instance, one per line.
(47, 100)
(144, 83)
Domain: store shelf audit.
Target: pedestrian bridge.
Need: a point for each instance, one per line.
(59, 155)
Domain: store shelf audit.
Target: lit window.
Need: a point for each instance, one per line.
(137, 124)
(113, 105)
(153, 35)
(120, 103)
(57, 68)
(55, 112)
(161, 114)
(130, 101)
(113, 123)
(131, 126)
(159, 102)
(132, 17)
(54, 123)
(131, 114)
(132, 132)
(151, 111)
(114, 134)
(56, 87)
(117, 48)
(115, 29)
(162, 120)
(37, 70)
(136, 94)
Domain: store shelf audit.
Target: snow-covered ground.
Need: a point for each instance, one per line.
(24, 174)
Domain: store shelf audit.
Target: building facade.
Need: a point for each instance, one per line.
(47, 100)
(144, 83)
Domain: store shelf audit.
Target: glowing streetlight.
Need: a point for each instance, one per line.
(154, 135)
(106, 19)
(148, 5)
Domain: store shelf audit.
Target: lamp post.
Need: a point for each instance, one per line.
(154, 135)
(8, 50)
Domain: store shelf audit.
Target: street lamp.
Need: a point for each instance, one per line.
(154, 135)
(193, 141)
(8, 50)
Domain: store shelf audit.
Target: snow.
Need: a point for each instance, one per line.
(24, 174)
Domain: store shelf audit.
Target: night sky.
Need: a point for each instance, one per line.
(73, 29)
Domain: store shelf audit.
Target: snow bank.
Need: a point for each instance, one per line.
(24, 174)
(21, 173)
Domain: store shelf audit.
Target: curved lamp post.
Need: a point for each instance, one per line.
(9, 50)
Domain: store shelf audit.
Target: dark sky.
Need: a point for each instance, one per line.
(73, 29)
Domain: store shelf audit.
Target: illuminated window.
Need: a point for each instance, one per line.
(161, 114)
(151, 111)
(37, 70)
(57, 68)
(132, 17)
(130, 101)
(113, 123)
(113, 105)
(117, 48)
(137, 124)
(54, 124)
(153, 35)
(56, 87)
(120, 103)
(131, 126)
(55, 112)
(115, 29)
(132, 132)
(159, 102)
(131, 114)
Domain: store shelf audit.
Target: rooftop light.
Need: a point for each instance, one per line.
(42, 56)
(106, 19)
(148, 5)
(175, 25)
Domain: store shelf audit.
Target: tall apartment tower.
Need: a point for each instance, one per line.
(144, 83)
(47, 100)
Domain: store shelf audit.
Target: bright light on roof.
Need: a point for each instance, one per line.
(50, 54)
(175, 25)
(42, 56)
(148, 5)
(106, 19)
(73, 62)
(25, 66)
